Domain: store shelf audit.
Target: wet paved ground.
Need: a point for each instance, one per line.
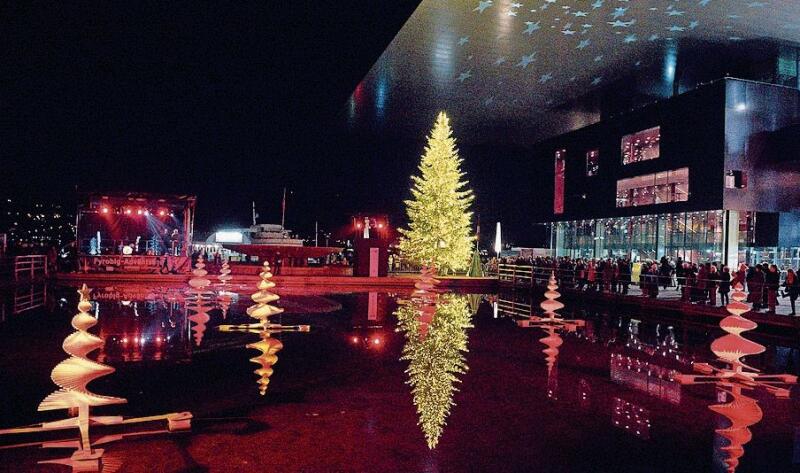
(339, 398)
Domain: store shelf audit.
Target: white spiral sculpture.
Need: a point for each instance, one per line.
(262, 310)
(197, 300)
(551, 323)
(735, 376)
(73, 374)
(224, 297)
(425, 297)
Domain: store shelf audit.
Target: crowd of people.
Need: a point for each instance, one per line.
(698, 283)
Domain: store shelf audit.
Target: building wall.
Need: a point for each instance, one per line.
(754, 114)
(692, 135)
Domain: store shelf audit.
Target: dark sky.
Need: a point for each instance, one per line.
(229, 102)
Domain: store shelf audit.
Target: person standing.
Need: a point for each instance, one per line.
(792, 285)
(772, 280)
(724, 285)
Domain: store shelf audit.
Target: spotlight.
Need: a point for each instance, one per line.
(162, 212)
(127, 211)
(380, 225)
(147, 212)
(139, 212)
(105, 210)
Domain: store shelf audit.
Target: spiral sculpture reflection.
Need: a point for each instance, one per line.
(552, 324)
(198, 301)
(262, 310)
(224, 297)
(734, 376)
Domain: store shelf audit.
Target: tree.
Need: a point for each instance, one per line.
(439, 230)
(435, 355)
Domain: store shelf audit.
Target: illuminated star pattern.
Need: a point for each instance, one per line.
(457, 54)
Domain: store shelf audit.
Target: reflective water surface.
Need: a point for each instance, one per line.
(473, 384)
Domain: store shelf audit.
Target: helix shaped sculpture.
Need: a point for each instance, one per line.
(73, 374)
(731, 348)
(262, 310)
(224, 297)
(198, 301)
(551, 323)
(225, 273)
(742, 412)
(425, 297)
(735, 376)
(269, 347)
(550, 305)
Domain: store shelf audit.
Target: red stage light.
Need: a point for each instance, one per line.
(105, 210)
(162, 212)
(380, 225)
(128, 211)
(376, 341)
(358, 225)
(147, 212)
(354, 340)
(139, 212)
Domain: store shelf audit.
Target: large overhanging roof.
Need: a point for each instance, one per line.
(494, 63)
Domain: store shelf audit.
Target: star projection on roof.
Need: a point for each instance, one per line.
(454, 54)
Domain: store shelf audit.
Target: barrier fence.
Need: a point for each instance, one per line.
(30, 265)
(689, 289)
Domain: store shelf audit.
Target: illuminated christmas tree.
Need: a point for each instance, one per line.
(435, 359)
(439, 230)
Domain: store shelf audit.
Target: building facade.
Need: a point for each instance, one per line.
(709, 175)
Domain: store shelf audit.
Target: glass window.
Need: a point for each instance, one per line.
(641, 146)
(592, 162)
(558, 189)
(659, 188)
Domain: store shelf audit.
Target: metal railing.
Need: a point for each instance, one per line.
(691, 288)
(30, 265)
(30, 298)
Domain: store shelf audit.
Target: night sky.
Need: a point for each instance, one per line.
(229, 102)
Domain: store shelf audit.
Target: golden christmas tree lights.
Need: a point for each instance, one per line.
(435, 352)
(439, 231)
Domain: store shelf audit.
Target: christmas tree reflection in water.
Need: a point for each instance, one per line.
(551, 323)
(262, 310)
(435, 327)
(735, 377)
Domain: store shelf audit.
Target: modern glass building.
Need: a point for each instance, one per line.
(709, 175)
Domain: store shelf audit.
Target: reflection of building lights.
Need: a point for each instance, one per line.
(741, 107)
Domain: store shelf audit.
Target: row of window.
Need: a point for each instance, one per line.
(668, 186)
(657, 188)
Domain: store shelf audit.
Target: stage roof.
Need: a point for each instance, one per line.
(505, 63)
